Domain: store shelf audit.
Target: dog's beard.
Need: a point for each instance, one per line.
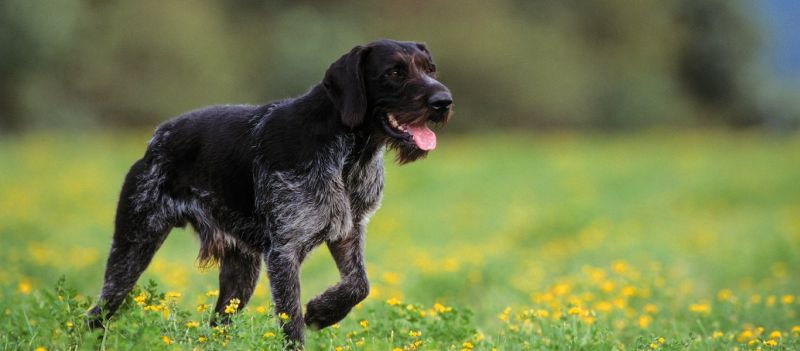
(406, 152)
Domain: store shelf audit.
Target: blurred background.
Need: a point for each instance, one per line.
(607, 64)
(594, 143)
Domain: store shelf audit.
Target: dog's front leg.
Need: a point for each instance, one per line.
(283, 264)
(333, 305)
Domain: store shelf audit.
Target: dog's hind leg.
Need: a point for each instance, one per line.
(238, 275)
(333, 305)
(137, 236)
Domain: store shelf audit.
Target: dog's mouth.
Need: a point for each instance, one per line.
(416, 131)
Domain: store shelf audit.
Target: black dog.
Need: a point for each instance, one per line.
(277, 180)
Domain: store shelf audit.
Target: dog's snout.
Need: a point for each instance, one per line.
(440, 101)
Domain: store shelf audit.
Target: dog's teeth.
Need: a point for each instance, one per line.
(392, 121)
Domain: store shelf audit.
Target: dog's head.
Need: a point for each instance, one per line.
(389, 88)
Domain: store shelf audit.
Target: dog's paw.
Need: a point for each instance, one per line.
(94, 319)
(319, 315)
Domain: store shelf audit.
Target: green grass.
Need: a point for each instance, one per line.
(514, 242)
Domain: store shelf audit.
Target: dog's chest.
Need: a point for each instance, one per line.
(364, 182)
(326, 198)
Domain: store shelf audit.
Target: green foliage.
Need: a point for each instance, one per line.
(514, 242)
(608, 63)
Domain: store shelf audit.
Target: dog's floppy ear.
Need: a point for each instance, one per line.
(424, 48)
(344, 83)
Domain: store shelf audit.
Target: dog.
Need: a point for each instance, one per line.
(272, 182)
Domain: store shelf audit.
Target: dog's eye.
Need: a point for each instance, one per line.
(395, 74)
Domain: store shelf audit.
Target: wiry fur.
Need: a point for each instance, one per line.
(274, 182)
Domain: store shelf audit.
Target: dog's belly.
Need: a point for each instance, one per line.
(219, 228)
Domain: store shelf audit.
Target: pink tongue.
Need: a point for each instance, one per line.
(423, 136)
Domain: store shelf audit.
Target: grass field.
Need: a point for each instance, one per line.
(655, 241)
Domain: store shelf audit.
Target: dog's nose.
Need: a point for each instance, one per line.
(440, 101)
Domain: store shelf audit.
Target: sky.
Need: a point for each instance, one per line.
(782, 26)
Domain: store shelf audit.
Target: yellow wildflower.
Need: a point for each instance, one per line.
(650, 308)
(192, 324)
(653, 345)
(619, 266)
(363, 323)
(574, 311)
(725, 295)
(140, 299)
(467, 345)
(619, 302)
(202, 339)
(717, 334)
(172, 295)
(770, 342)
(796, 329)
(504, 316)
(69, 324)
(660, 340)
(628, 291)
(261, 309)
(441, 308)
(561, 289)
(283, 316)
(394, 301)
(644, 321)
(770, 300)
(787, 299)
(541, 314)
(703, 307)
(268, 334)
(166, 340)
(40, 349)
(212, 293)
(603, 306)
(397, 349)
(775, 335)
(24, 287)
(202, 307)
(232, 306)
(414, 334)
(755, 299)
(745, 335)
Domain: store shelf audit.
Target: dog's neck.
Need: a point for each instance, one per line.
(328, 120)
(308, 126)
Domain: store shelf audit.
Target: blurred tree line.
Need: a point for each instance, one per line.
(509, 63)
